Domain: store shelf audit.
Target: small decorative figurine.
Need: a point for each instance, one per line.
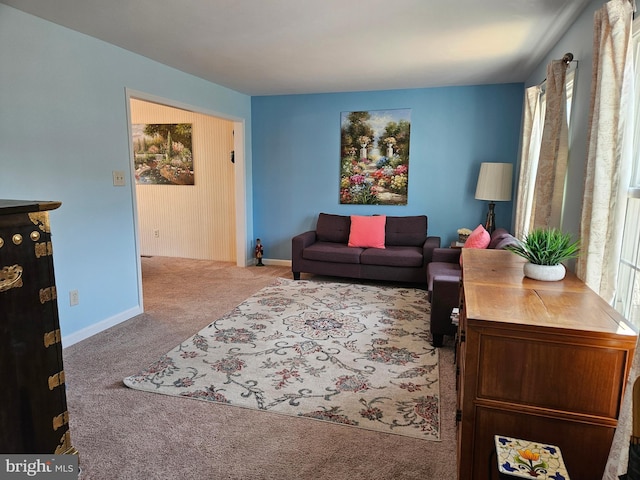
(258, 252)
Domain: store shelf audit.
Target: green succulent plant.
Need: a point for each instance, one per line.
(546, 247)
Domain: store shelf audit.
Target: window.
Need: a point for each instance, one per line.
(627, 300)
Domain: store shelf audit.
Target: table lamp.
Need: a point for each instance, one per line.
(494, 185)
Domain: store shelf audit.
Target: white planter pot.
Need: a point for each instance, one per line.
(546, 273)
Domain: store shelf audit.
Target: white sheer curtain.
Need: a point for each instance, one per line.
(607, 177)
(543, 158)
(534, 107)
(609, 160)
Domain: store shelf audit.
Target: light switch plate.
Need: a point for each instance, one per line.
(118, 178)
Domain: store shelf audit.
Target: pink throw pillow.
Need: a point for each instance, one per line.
(367, 232)
(479, 238)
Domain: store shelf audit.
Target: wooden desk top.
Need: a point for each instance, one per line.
(496, 290)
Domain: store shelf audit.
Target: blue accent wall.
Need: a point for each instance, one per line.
(296, 157)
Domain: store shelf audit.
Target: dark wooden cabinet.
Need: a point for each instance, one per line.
(33, 406)
(540, 361)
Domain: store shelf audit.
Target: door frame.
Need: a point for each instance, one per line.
(240, 175)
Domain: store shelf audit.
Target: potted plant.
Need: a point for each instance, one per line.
(545, 249)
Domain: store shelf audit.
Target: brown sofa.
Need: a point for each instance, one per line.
(443, 284)
(324, 251)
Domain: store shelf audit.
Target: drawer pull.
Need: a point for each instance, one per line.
(10, 277)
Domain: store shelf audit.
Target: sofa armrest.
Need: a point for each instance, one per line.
(447, 255)
(446, 297)
(302, 241)
(298, 244)
(430, 244)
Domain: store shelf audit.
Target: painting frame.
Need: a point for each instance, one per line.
(163, 153)
(374, 157)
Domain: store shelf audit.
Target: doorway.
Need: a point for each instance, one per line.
(205, 220)
(185, 220)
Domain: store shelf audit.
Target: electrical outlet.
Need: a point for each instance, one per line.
(118, 178)
(156, 233)
(74, 299)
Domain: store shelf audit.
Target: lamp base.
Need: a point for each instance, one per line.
(490, 224)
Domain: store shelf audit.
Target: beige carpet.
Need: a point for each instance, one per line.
(356, 355)
(128, 434)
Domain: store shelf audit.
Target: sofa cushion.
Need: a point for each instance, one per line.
(393, 256)
(333, 228)
(403, 231)
(479, 238)
(332, 252)
(367, 232)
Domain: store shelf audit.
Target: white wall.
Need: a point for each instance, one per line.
(192, 221)
(63, 131)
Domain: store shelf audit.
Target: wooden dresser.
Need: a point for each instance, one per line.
(33, 406)
(541, 361)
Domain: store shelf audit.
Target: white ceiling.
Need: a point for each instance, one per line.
(269, 47)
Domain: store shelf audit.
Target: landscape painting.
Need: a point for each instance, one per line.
(374, 157)
(163, 153)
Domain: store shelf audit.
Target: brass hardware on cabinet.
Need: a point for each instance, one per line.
(17, 239)
(1, 242)
(43, 249)
(56, 380)
(63, 445)
(35, 236)
(40, 220)
(60, 420)
(48, 294)
(10, 277)
(51, 338)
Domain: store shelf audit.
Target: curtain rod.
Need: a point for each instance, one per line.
(566, 58)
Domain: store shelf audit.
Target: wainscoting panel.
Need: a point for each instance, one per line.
(190, 221)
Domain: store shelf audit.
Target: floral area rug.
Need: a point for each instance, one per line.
(357, 355)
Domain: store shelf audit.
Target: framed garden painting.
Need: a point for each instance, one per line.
(163, 153)
(374, 157)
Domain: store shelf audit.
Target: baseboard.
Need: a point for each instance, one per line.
(270, 261)
(68, 340)
(75, 337)
(276, 262)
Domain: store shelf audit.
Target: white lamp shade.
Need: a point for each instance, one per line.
(494, 182)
